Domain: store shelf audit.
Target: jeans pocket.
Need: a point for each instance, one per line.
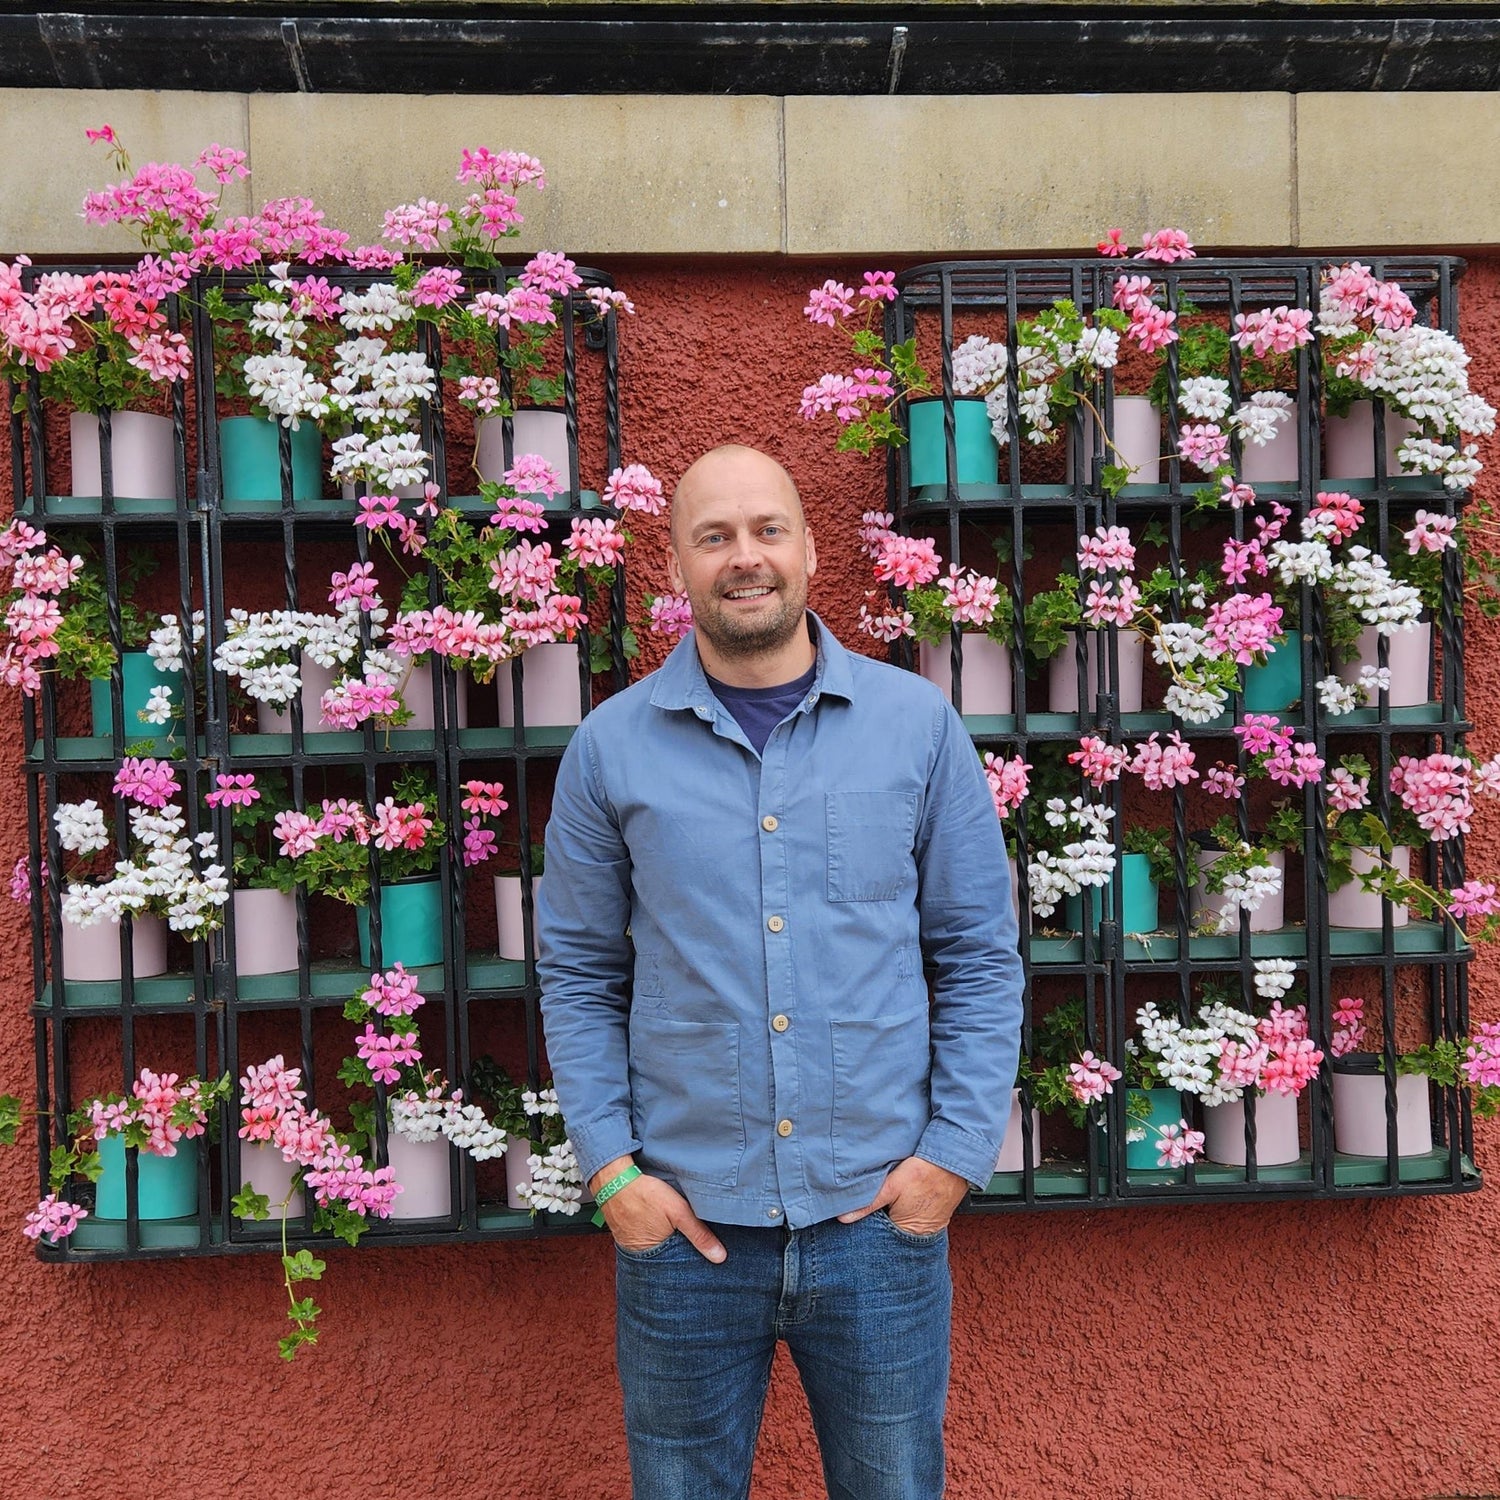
(909, 1236)
(870, 841)
(685, 1097)
(651, 1252)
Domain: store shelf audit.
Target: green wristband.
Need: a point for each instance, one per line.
(614, 1185)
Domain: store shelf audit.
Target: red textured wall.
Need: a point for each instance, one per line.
(1284, 1350)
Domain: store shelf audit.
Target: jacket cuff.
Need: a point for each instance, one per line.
(601, 1140)
(960, 1152)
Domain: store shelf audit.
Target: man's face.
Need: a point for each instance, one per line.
(741, 552)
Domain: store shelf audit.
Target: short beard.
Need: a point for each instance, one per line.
(758, 639)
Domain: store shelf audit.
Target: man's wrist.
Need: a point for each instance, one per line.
(608, 1172)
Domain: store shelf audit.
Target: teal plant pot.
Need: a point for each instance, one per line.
(250, 462)
(1138, 899)
(1278, 684)
(1166, 1109)
(166, 1186)
(411, 925)
(138, 677)
(978, 457)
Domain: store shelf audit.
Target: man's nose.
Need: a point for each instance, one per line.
(745, 553)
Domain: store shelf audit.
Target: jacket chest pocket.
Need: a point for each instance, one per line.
(870, 838)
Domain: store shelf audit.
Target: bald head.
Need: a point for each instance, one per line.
(729, 469)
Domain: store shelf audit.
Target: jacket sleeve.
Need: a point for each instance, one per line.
(584, 960)
(969, 932)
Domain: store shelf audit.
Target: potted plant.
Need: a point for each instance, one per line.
(166, 875)
(1239, 875)
(331, 854)
(1361, 1084)
(263, 904)
(160, 1114)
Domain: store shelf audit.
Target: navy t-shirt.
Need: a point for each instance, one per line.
(759, 710)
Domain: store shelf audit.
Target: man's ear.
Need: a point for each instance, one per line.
(812, 555)
(674, 573)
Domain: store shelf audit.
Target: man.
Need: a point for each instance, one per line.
(749, 854)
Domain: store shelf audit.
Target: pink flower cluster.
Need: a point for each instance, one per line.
(970, 598)
(458, 635)
(382, 512)
(1285, 759)
(297, 833)
(1336, 516)
(1348, 1026)
(1099, 761)
(146, 781)
(1007, 780)
(1355, 291)
(1091, 1078)
(849, 396)
(33, 616)
(846, 396)
(233, 791)
(482, 799)
(272, 1110)
(670, 615)
(1347, 792)
(347, 704)
(1437, 791)
(635, 487)
(1166, 246)
(1481, 1065)
(1223, 781)
(907, 561)
(1431, 533)
(1177, 1146)
(1291, 1060)
(53, 1217)
(1474, 898)
(1163, 766)
(386, 1054)
(596, 543)
(1273, 330)
(168, 1112)
(1152, 327)
(1108, 550)
(1242, 627)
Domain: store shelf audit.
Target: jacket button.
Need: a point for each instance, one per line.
(780, 1023)
(769, 823)
(775, 923)
(783, 1127)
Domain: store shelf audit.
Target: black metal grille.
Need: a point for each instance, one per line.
(937, 305)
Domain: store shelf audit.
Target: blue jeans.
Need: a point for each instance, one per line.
(865, 1311)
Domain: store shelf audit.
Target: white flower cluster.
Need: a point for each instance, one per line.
(978, 365)
(386, 463)
(1246, 889)
(1274, 977)
(1205, 397)
(1337, 696)
(287, 388)
(1365, 580)
(378, 309)
(257, 648)
(1195, 702)
(164, 645)
(160, 880)
(1085, 861)
(1258, 418)
(424, 1117)
(1459, 467)
(556, 1183)
(1424, 372)
(80, 827)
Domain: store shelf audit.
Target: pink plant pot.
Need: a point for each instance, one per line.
(1062, 672)
(539, 430)
(549, 686)
(1408, 656)
(421, 1167)
(141, 455)
(93, 953)
(986, 682)
(263, 1167)
(265, 932)
(1012, 1149)
(1359, 1114)
(418, 687)
(510, 921)
(1267, 917)
(517, 1171)
(1349, 442)
(1276, 1141)
(1274, 462)
(1137, 439)
(316, 681)
(1352, 906)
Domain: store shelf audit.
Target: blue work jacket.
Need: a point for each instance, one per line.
(731, 944)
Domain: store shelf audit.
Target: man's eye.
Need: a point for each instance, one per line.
(773, 531)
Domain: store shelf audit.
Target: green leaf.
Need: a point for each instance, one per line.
(248, 1204)
(303, 1266)
(10, 1119)
(292, 1342)
(352, 1072)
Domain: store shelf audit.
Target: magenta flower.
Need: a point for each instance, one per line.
(233, 791)
(1113, 244)
(670, 615)
(1223, 781)
(1337, 515)
(1474, 898)
(484, 798)
(1091, 1078)
(54, 1217)
(829, 303)
(1162, 766)
(634, 487)
(1349, 1028)
(1099, 761)
(394, 993)
(480, 843)
(552, 272)
(1166, 246)
(1007, 780)
(908, 561)
(595, 542)
(151, 783)
(1178, 1146)
(878, 286)
(398, 827)
(531, 474)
